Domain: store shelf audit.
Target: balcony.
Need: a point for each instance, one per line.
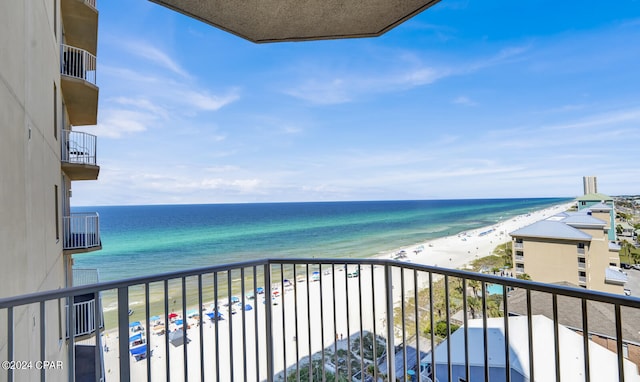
(81, 232)
(270, 320)
(85, 305)
(79, 155)
(517, 245)
(78, 80)
(80, 19)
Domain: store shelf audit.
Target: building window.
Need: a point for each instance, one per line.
(55, 111)
(55, 18)
(625, 350)
(57, 213)
(582, 276)
(519, 268)
(582, 263)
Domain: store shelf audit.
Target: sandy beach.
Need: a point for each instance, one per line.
(300, 311)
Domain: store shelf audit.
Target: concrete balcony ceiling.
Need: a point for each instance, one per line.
(80, 20)
(81, 99)
(295, 20)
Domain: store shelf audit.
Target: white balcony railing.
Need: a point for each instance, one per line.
(85, 317)
(79, 147)
(78, 63)
(81, 230)
(581, 251)
(518, 245)
(519, 257)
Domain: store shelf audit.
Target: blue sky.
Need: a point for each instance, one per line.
(470, 99)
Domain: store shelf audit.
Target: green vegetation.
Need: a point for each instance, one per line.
(505, 252)
(496, 262)
(629, 254)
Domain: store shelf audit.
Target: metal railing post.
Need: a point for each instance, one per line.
(391, 352)
(123, 333)
(268, 321)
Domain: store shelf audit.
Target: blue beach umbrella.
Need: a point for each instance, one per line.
(234, 299)
(135, 323)
(154, 318)
(260, 290)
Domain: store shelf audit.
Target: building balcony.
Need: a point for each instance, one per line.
(518, 245)
(85, 316)
(80, 19)
(81, 232)
(79, 155)
(272, 319)
(78, 80)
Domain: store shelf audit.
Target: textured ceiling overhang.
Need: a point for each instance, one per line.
(300, 20)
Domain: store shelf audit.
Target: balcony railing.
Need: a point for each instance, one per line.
(518, 245)
(78, 63)
(81, 231)
(79, 147)
(519, 257)
(388, 320)
(85, 311)
(581, 251)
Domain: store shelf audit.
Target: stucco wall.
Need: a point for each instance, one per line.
(31, 250)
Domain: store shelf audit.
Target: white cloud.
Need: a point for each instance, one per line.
(118, 123)
(204, 101)
(464, 100)
(408, 71)
(147, 51)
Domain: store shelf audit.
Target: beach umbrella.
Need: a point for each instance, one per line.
(135, 323)
(154, 318)
(260, 290)
(178, 322)
(172, 315)
(234, 299)
(247, 307)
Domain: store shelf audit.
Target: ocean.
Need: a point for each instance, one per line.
(142, 240)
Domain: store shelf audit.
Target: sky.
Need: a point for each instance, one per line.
(469, 99)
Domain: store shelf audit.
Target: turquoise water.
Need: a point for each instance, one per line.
(141, 240)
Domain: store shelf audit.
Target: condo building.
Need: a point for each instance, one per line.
(48, 91)
(573, 247)
(590, 184)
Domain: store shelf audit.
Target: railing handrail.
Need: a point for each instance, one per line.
(560, 290)
(78, 63)
(79, 147)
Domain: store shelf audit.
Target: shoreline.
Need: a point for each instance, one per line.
(454, 251)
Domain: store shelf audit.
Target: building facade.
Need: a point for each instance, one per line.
(590, 184)
(47, 90)
(570, 247)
